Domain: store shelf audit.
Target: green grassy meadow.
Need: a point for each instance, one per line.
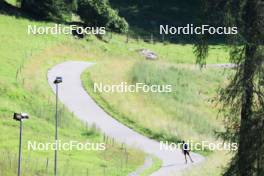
(189, 112)
(25, 60)
(186, 113)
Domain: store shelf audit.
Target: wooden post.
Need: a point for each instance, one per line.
(87, 172)
(47, 166)
(127, 37)
(126, 155)
(86, 126)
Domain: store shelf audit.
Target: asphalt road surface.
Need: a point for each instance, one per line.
(73, 95)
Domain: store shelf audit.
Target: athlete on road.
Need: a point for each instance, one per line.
(186, 151)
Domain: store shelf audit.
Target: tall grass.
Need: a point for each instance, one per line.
(188, 112)
(188, 104)
(185, 113)
(25, 60)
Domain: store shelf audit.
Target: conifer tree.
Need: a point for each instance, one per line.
(243, 99)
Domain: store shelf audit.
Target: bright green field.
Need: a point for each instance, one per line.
(24, 61)
(186, 113)
(189, 112)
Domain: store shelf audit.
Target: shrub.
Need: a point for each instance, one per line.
(48, 9)
(100, 13)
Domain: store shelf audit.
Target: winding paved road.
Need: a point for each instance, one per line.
(73, 95)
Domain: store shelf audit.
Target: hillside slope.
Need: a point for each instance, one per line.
(24, 61)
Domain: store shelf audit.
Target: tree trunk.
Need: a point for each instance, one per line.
(248, 153)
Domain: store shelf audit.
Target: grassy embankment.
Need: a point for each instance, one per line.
(24, 61)
(187, 113)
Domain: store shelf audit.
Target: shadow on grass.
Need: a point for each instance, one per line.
(8, 9)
